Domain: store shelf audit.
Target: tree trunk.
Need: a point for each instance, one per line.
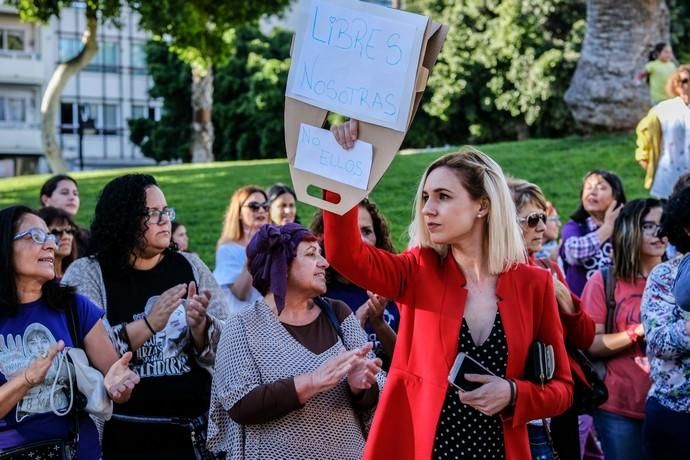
(619, 37)
(202, 103)
(395, 4)
(51, 98)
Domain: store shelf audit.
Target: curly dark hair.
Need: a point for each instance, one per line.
(117, 230)
(580, 215)
(56, 296)
(675, 221)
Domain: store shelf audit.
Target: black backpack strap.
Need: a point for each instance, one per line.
(73, 324)
(609, 276)
(327, 309)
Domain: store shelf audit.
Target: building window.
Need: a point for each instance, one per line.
(105, 117)
(110, 119)
(138, 111)
(12, 40)
(16, 108)
(139, 58)
(3, 117)
(68, 48)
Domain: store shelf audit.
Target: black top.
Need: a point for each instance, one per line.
(463, 432)
(172, 383)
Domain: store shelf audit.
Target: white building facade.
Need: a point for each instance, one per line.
(110, 90)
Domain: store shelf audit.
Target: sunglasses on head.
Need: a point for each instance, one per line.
(533, 219)
(255, 206)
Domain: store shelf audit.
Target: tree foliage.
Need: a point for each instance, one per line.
(502, 71)
(248, 99)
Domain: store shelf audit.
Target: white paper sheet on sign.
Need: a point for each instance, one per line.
(319, 153)
(357, 59)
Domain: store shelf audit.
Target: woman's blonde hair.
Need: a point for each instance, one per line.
(674, 80)
(525, 193)
(232, 227)
(483, 178)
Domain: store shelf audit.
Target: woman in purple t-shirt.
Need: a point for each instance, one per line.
(586, 246)
(33, 330)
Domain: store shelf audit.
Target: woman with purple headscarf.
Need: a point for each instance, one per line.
(292, 360)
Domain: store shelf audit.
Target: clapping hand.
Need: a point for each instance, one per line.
(37, 370)
(120, 379)
(196, 307)
(363, 373)
(166, 303)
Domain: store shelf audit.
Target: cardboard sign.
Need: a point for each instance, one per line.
(319, 153)
(384, 137)
(358, 60)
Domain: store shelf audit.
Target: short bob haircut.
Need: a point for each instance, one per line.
(483, 178)
(49, 186)
(675, 221)
(580, 215)
(627, 237)
(56, 217)
(674, 80)
(54, 295)
(525, 193)
(232, 227)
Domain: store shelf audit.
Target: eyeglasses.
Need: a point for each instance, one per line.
(650, 228)
(555, 218)
(38, 236)
(58, 232)
(533, 219)
(153, 212)
(684, 81)
(255, 206)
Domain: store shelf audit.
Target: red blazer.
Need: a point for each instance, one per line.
(430, 293)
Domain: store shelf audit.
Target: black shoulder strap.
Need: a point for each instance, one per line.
(609, 277)
(73, 323)
(327, 309)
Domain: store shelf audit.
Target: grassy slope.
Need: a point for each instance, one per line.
(200, 192)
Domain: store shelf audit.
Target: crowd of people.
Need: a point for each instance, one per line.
(323, 342)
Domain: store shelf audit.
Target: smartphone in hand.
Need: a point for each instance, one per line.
(465, 364)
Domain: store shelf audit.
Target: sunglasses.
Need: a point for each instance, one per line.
(684, 81)
(58, 232)
(255, 206)
(38, 236)
(533, 219)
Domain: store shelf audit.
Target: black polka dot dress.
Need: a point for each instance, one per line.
(463, 432)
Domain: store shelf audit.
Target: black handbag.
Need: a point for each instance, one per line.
(53, 449)
(541, 363)
(590, 394)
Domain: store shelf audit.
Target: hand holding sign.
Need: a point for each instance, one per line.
(318, 152)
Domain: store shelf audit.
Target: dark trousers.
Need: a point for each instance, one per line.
(666, 433)
(566, 436)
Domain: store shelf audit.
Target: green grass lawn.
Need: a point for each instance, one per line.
(200, 193)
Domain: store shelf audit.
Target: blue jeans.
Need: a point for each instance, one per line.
(620, 437)
(538, 443)
(666, 432)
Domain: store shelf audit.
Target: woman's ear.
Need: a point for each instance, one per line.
(44, 197)
(484, 207)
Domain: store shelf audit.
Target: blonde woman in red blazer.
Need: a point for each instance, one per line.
(465, 266)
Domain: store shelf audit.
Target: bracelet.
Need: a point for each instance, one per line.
(632, 335)
(511, 383)
(149, 326)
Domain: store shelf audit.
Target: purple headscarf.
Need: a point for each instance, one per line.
(269, 254)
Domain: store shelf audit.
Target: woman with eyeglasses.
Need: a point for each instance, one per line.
(34, 315)
(637, 249)
(162, 305)
(283, 204)
(663, 137)
(62, 192)
(63, 227)
(247, 211)
(578, 327)
(586, 238)
(666, 319)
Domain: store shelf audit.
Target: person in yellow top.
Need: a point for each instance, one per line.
(663, 137)
(658, 70)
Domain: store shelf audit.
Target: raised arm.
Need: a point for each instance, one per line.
(366, 266)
